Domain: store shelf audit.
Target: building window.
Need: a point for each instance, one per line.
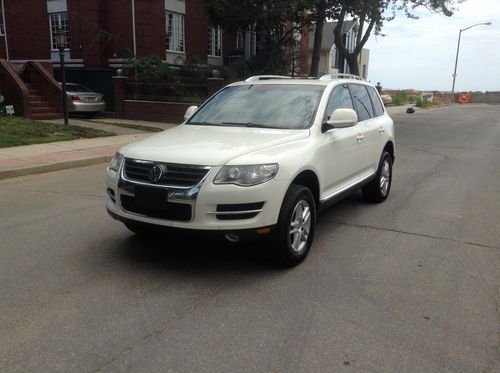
(58, 20)
(215, 41)
(2, 29)
(175, 32)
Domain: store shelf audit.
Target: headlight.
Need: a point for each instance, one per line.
(116, 162)
(246, 175)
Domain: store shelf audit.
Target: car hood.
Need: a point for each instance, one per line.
(208, 145)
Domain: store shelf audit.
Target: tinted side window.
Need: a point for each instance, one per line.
(377, 105)
(340, 98)
(362, 101)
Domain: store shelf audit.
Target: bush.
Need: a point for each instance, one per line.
(399, 98)
(150, 69)
(424, 103)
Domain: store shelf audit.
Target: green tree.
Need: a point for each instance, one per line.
(273, 20)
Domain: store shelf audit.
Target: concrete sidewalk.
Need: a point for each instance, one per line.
(107, 124)
(33, 159)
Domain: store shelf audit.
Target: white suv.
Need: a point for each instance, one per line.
(258, 159)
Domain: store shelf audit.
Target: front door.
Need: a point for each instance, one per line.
(340, 152)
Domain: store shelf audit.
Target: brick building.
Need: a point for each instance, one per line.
(104, 33)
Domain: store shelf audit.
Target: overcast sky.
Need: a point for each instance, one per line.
(420, 53)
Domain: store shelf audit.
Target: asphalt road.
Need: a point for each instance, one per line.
(411, 285)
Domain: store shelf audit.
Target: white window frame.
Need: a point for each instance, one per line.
(214, 41)
(53, 42)
(175, 38)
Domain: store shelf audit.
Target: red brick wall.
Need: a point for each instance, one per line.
(155, 111)
(196, 30)
(305, 65)
(86, 18)
(3, 53)
(150, 27)
(13, 89)
(28, 29)
(229, 43)
(29, 32)
(119, 22)
(45, 83)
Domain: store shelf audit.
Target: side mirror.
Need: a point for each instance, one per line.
(341, 118)
(189, 112)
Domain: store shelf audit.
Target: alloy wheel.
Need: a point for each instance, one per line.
(300, 226)
(385, 177)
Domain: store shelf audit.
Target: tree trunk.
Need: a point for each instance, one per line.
(352, 61)
(352, 57)
(318, 37)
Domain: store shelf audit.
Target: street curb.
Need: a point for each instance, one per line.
(57, 166)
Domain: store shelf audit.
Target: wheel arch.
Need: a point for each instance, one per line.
(310, 180)
(389, 148)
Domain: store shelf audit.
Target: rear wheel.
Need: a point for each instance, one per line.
(378, 189)
(294, 232)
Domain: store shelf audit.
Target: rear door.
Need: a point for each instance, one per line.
(368, 127)
(380, 123)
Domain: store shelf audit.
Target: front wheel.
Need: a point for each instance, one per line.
(378, 189)
(294, 232)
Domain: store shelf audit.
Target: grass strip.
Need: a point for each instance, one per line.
(15, 131)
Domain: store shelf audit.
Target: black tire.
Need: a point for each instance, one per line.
(378, 189)
(289, 249)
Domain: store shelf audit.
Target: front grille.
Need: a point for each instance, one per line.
(238, 211)
(171, 211)
(176, 175)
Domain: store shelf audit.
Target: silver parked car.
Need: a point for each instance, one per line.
(83, 100)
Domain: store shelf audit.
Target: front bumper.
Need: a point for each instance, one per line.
(204, 200)
(236, 235)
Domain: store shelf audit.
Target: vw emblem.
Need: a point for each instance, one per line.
(156, 173)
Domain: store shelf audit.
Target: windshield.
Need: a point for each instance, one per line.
(287, 106)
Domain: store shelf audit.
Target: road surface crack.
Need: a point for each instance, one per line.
(194, 306)
(393, 230)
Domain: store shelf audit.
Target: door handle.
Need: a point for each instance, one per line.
(360, 138)
(381, 130)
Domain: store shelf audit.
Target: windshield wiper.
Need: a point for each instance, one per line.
(248, 124)
(205, 123)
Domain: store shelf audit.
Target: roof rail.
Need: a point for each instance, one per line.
(266, 77)
(340, 76)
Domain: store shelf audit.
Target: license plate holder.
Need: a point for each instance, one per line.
(151, 198)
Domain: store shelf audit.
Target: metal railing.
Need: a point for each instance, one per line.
(188, 89)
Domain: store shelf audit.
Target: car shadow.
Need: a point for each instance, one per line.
(191, 253)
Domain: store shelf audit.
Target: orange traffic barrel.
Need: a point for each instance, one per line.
(464, 98)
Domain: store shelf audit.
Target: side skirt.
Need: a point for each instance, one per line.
(343, 193)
